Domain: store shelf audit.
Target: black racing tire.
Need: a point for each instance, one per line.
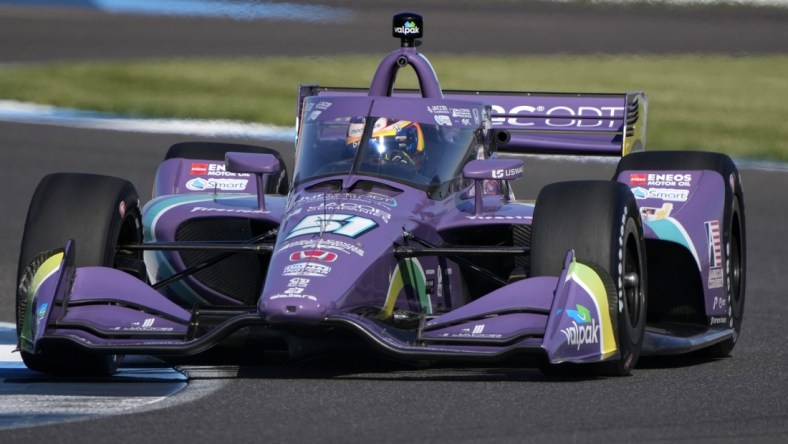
(98, 213)
(734, 241)
(600, 221)
(275, 183)
(734, 233)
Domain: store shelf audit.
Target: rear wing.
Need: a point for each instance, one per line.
(546, 123)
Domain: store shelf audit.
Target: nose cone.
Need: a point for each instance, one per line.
(294, 308)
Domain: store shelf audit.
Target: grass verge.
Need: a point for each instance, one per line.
(731, 104)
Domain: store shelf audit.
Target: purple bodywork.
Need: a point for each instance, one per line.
(363, 250)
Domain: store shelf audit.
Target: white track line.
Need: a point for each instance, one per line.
(22, 112)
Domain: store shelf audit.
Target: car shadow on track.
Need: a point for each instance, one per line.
(374, 368)
(677, 361)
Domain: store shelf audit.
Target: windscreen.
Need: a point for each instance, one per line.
(420, 154)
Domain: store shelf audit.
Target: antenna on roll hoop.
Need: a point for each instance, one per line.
(408, 27)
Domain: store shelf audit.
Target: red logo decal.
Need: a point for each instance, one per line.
(313, 255)
(199, 168)
(637, 179)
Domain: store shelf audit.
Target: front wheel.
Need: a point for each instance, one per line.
(98, 213)
(600, 221)
(734, 283)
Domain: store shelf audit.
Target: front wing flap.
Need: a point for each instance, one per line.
(105, 310)
(572, 315)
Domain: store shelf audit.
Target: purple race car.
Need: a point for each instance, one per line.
(398, 236)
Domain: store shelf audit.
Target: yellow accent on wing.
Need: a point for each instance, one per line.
(587, 278)
(46, 269)
(396, 284)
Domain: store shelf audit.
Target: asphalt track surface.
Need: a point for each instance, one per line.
(739, 399)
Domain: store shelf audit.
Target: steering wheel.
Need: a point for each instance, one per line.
(399, 157)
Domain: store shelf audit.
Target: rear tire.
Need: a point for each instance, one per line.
(600, 221)
(275, 184)
(99, 213)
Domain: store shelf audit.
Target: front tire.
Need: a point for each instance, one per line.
(99, 213)
(600, 221)
(734, 282)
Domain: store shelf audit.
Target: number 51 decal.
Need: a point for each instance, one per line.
(342, 224)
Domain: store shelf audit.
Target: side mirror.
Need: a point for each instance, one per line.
(254, 163)
(251, 163)
(490, 169)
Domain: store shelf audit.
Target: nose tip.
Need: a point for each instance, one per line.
(289, 308)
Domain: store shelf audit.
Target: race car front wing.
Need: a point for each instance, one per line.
(567, 318)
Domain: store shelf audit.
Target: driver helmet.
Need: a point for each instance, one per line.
(355, 130)
(396, 137)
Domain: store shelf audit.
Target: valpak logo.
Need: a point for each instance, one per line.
(407, 28)
(584, 329)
